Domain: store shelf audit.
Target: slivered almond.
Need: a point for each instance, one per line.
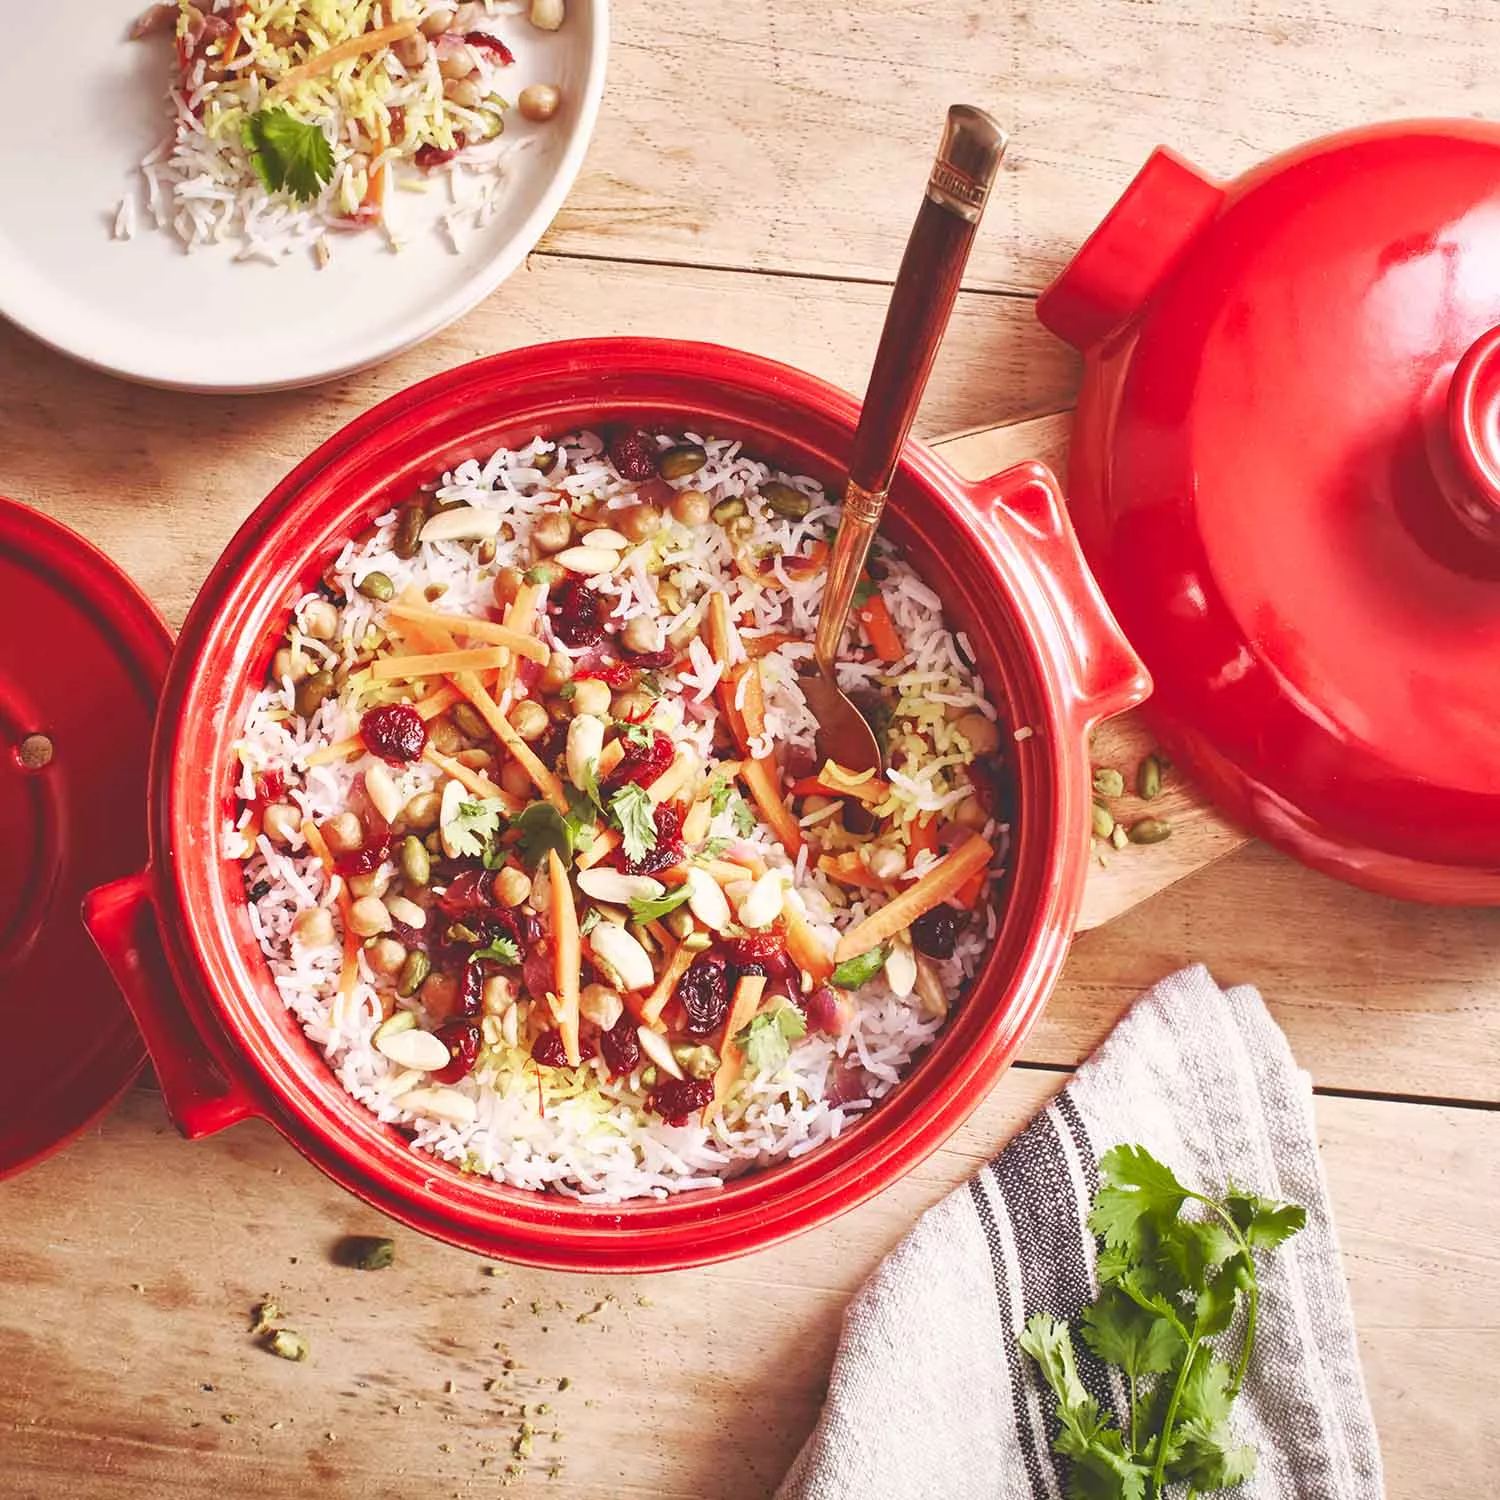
(413, 1049)
(706, 900)
(464, 523)
(442, 1104)
(659, 1050)
(381, 786)
(616, 888)
(589, 561)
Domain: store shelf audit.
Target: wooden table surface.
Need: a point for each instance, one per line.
(753, 177)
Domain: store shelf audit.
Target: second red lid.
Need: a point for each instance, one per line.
(1286, 473)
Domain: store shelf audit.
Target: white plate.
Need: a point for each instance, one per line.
(80, 105)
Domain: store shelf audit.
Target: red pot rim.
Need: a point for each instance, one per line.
(1069, 667)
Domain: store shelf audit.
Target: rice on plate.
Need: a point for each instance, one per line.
(538, 847)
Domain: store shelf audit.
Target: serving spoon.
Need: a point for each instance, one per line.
(921, 304)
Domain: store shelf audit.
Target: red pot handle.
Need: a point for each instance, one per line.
(121, 919)
(1026, 504)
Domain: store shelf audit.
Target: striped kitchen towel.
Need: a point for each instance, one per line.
(930, 1396)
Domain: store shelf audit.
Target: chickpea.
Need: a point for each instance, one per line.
(456, 64)
(463, 92)
(423, 810)
(552, 531)
(313, 928)
(281, 821)
(641, 635)
(376, 883)
(539, 101)
(288, 663)
(547, 15)
(507, 581)
(443, 735)
(981, 733)
(320, 620)
(559, 669)
(511, 886)
(638, 523)
(411, 51)
(632, 705)
(691, 507)
(475, 760)
(385, 956)
(437, 21)
(513, 779)
(529, 719)
(368, 917)
(343, 833)
(469, 721)
(601, 1005)
(439, 994)
(591, 697)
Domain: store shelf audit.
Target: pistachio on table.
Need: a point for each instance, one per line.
(365, 1252)
(285, 1343)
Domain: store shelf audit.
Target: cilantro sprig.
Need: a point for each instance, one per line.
(474, 825)
(651, 909)
(1169, 1287)
(767, 1040)
(288, 153)
(634, 814)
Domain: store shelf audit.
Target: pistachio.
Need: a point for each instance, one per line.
(1108, 782)
(413, 972)
(469, 721)
(696, 1061)
(1104, 821)
(1148, 778)
(784, 500)
(543, 574)
(311, 692)
(422, 810)
(727, 510)
(680, 461)
(408, 536)
(416, 862)
(393, 1025)
(1150, 831)
(697, 942)
(377, 586)
(366, 1252)
(1119, 838)
(286, 1344)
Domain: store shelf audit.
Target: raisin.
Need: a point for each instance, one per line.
(471, 890)
(433, 156)
(461, 1038)
(633, 453)
(395, 732)
(704, 993)
(641, 763)
(471, 990)
(935, 932)
(621, 1046)
(575, 619)
(649, 661)
(674, 1099)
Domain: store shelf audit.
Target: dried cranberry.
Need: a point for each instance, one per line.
(611, 673)
(433, 156)
(704, 993)
(829, 1010)
(633, 453)
(461, 1038)
(674, 1099)
(395, 732)
(367, 858)
(270, 786)
(471, 990)
(668, 849)
(410, 937)
(538, 971)
(575, 619)
(935, 932)
(469, 891)
(549, 1051)
(491, 44)
(766, 950)
(650, 661)
(621, 1046)
(641, 763)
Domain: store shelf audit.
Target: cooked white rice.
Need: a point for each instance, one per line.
(589, 1136)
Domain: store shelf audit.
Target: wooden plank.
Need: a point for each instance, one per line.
(161, 480)
(133, 1260)
(731, 136)
(1119, 879)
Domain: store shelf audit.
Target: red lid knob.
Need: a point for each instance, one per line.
(1474, 430)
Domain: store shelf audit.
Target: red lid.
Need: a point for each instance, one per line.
(81, 666)
(1286, 473)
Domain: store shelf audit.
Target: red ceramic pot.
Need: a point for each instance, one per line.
(177, 936)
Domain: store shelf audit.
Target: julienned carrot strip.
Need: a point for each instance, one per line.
(695, 825)
(349, 968)
(606, 841)
(742, 1009)
(437, 663)
(850, 869)
(875, 615)
(661, 935)
(477, 630)
(753, 710)
(671, 781)
(717, 628)
(609, 760)
(805, 946)
(568, 966)
(944, 879)
(835, 780)
(921, 835)
(760, 777)
(476, 781)
(757, 646)
(541, 778)
(969, 893)
(429, 708)
(355, 46)
(666, 986)
(520, 617)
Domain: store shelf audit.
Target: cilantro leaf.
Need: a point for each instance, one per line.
(632, 812)
(766, 1041)
(502, 950)
(580, 817)
(744, 819)
(542, 828)
(1264, 1222)
(1123, 1333)
(1210, 1459)
(714, 847)
(647, 909)
(638, 735)
(1215, 1304)
(1139, 1198)
(1103, 1470)
(1194, 1247)
(473, 825)
(860, 969)
(719, 792)
(1049, 1343)
(288, 153)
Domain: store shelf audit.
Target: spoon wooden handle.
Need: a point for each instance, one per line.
(921, 304)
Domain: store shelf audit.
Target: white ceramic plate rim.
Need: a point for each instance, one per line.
(45, 321)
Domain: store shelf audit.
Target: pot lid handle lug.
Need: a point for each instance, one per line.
(1473, 408)
(1132, 252)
